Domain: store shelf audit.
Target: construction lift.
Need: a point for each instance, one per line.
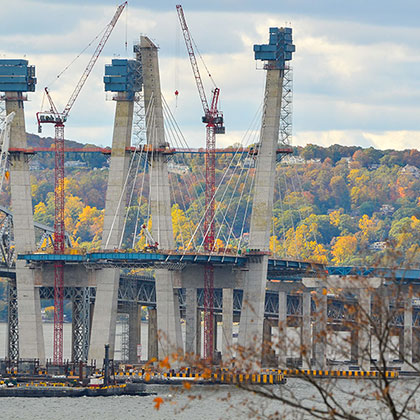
(151, 244)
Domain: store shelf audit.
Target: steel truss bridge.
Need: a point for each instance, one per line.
(140, 290)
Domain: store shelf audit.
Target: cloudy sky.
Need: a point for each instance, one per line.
(356, 67)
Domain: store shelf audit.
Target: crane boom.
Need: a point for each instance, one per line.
(58, 119)
(193, 60)
(93, 59)
(214, 125)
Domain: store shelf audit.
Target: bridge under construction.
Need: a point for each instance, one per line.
(244, 284)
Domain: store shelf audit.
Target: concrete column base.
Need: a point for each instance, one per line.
(104, 315)
(227, 329)
(31, 338)
(364, 327)
(252, 313)
(168, 319)
(320, 330)
(282, 326)
(152, 335)
(133, 327)
(190, 320)
(408, 334)
(306, 339)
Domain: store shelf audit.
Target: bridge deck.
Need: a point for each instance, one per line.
(278, 269)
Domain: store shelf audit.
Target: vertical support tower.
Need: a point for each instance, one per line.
(17, 77)
(167, 302)
(123, 78)
(275, 54)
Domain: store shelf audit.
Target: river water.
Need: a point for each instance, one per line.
(203, 403)
(222, 402)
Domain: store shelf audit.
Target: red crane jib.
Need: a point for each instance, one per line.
(58, 119)
(214, 125)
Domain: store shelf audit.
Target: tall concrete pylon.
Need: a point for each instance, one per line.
(168, 321)
(18, 77)
(252, 315)
(107, 280)
(31, 339)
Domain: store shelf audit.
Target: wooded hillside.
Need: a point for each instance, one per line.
(339, 205)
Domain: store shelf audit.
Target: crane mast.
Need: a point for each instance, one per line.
(58, 119)
(214, 125)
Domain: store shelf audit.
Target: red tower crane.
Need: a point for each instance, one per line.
(214, 125)
(58, 119)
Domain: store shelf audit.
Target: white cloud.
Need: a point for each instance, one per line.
(353, 81)
(400, 140)
(403, 139)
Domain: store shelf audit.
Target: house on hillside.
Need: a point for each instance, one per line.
(411, 170)
(75, 164)
(377, 246)
(387, 209)
(176, 168)
(294, 160)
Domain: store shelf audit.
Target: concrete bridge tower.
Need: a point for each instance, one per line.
(16, 78)
(167, 303)
(275, 54)
(124, 78)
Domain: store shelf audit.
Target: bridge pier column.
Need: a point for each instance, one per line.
(198, 345)
(31, 338)
(252, 312)
(320, 329)
(177, 315)
(282, 326)
(416, 344)
(269, 354)
(152, 335)
(306, 341)
(364, 328)
(168, 319)
(227, 329)
(215, 335)
(190, 320)
(384, 310)
(134, 329)
(354, 344)
(168, 315)
(408, 333)
(105, 314)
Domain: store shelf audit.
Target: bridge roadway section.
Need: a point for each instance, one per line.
(141, 289)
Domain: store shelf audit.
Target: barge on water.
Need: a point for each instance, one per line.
(38, 390)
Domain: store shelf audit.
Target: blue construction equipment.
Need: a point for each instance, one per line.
(278, 50)
(123, 76)
(16, 76)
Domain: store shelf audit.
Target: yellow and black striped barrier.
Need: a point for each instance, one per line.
(219, 377)
(338, 373)
(265, 377)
